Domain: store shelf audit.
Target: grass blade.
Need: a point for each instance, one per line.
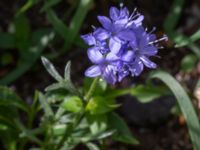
(174, 15)
(10, 98)
(40, 39)
(70, 33)
(185, 105)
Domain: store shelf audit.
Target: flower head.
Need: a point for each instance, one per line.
(121, 47)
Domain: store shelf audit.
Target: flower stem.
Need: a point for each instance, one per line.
(92, 89)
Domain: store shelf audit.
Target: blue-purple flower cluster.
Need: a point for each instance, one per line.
(121, 47)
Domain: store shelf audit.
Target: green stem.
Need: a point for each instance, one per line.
(69, 129)
(92, 88)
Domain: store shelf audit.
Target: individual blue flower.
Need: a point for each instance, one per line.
(143, 48)
(95, 44)
(103, 66)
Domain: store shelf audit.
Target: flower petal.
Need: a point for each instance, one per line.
(89, 39)
(122, 75)
(149, 51)
(148, 63)
(111, 57)
(94, 55)
(101, 34)
(127, 35)
(93, 71)
(114, 45)
(114, 13)
(109, 75)
(105, 22)
(144, 41)
(136, 68)
(139, 20)
(128, 56)
(124, 13)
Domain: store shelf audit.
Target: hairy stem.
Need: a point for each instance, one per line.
(92, 89)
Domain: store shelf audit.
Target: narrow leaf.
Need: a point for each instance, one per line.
(49, 3)
(40, 39)
(92, 146)
(45, 105)
(68, 71)
(72, 104)
(185, 105)
(174, 15)
(9, 98)
(51, 69)
(123, 134)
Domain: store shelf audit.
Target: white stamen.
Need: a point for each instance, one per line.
(133, 14)
(93, 27)
(154, 29)
(135, 9)
(159, 40)
(121, 5)
(160, 47)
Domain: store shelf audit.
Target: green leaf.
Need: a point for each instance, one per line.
(67, 72)
(98, 123)
(7, 41)
(72, 104)
(100, 105)
(79, 17)
(22, 32)
(123, 134)
(40, 39)
(27, 133)
(105, 134)
(188, 63)
(26, 6)
(49, 3)
(174, 15)
(147, 93)
(9, 98)
(144, 93)
(51, 69)
(6, 118)
(54, 86)
(58, 25)
(195, 36)
(185, 105)
(170, 24)
(70, 33)
(9, 138)
(182, 40)
(188, 41)
(45, 105)
(59, 129)
(92, 146)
